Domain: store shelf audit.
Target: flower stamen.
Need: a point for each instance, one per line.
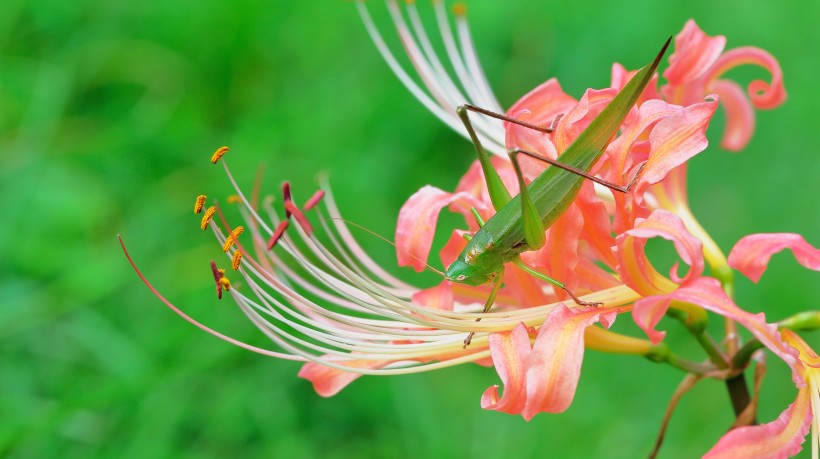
(315, 199)
(219, 153)
(299, 216)
(200, 202)
(231, 239)
(209, 214)
(217, 276)
(280, 230)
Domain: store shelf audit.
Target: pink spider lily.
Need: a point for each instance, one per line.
(783, 436)
(321, 299)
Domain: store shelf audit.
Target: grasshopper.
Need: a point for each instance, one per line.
(520, 222)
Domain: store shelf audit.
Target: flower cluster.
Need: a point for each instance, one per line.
(323, 301)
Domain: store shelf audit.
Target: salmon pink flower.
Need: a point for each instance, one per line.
(323, 301)
(783, 436)
(695, 70)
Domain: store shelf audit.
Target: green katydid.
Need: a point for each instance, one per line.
(519, 223)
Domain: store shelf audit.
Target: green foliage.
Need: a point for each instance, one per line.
(109, 112)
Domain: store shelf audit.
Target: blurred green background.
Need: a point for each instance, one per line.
(109, 112)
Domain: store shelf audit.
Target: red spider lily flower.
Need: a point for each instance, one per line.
(323, 301)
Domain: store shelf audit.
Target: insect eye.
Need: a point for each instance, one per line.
(461, 277)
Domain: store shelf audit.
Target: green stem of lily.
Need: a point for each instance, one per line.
(697, 329)
(803, 321)
(744, 355)
(660, 353)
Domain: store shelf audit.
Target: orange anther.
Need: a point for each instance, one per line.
(200, 201)
(234, 199)
(237, 259)
(459, 9)
(218, 154)
(225, 283)
(209, 213)
(229, 241)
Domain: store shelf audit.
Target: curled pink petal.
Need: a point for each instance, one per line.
(578, 118)
(695, 54)
(328, 381)
(740, 117)
(763, 95)
(780, 438)
(417, 223)
(543, 103)
(621, 76)
(752, 253)
(621, 150)
(636, 270)
(554, 365)
(509, 351)
(707, 293)
(674, 140)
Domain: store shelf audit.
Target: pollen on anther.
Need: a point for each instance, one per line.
(200, 202)
(234, 199)
(225, 283)
(459, 9)
(218, 154)
(277, 234)
(229, 241)
(209, 213)
(237, 259)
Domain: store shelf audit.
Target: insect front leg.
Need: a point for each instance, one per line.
(490, 300)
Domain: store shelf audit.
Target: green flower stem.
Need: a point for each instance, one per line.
(697, 327)
(803, 321)
(744, 355)
(660, 353)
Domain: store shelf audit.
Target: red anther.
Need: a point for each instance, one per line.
(286, 196)
(217, 278)
(300, 217)
(280, 230)
(315, 199)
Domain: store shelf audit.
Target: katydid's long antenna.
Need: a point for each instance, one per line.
(373, 233)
